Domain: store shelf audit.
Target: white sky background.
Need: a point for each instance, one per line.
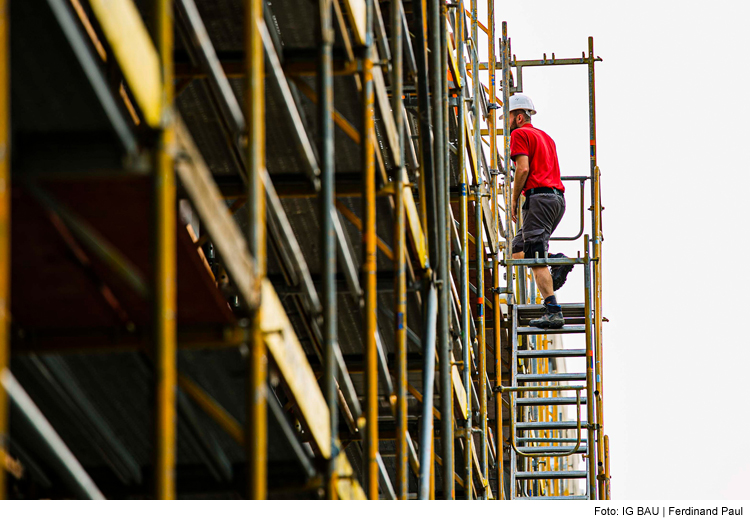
(672, 116)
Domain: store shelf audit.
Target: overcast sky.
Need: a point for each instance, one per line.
(672, 117)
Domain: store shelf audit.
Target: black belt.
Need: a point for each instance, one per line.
(544, 190)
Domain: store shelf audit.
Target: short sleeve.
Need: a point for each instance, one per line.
(519, 144)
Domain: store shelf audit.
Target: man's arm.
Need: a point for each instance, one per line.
(522, 173)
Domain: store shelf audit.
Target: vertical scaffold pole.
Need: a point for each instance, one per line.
(370, 261)
(4, 227)
(597, 275)
(464, 225)
(397, 82)
(493, 204)
(165, 267)
(477, 86)
(429, 327)
(482, 355)
(426, 455)
(436, 72)
(505, 60)
(591, 449)
(256, 424)
(328, 243)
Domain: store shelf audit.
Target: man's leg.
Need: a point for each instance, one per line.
(553, 317)
(543, 279)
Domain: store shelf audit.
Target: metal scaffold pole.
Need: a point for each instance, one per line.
(256, 445)
(427, 166)
(369, 245)
(591, 451)
(484, 448)
(464, 257)
(596, 215)
(397, 83)
(4, 230)
(165, 268)
(328, 264)
(505, 86)
(437, 72)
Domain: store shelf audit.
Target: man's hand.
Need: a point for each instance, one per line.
(514, 210)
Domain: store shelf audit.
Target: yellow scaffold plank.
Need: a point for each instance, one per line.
(289, 356)
(135, 52)
(459, 392)
(412, 217)
(357, 13)
(452, 60)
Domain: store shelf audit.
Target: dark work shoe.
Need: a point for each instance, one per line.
(549, 320)
(559, 273)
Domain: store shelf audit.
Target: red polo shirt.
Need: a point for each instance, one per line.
(544, 169)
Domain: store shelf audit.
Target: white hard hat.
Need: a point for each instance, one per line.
(520, 101)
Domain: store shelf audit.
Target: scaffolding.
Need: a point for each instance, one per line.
(262, 249)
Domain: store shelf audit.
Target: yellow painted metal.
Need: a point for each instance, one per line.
(369, 269)
(4, 226)
(135, 52)
(165, 268)
(607, 492)
(256, 447)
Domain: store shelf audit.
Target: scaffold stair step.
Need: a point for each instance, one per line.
(535, 402)
(556, 497)
(558, 376)
(569, 329)
(530, 311)
(537, 426)
(580, 352)
(544, 475)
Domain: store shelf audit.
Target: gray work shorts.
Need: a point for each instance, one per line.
(541, 215)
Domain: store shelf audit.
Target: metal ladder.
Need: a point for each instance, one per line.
(538, 440)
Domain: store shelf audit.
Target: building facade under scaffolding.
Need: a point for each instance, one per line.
(261, 249)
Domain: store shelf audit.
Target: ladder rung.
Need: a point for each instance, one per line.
(558, 376)
(544, 475)
(536, 426)
(560, 497)
(536, 440)
(580, 352)
(553, 449)
(534, 402)
(570, 329)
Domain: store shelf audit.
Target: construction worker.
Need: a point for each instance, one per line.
(538, 178)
